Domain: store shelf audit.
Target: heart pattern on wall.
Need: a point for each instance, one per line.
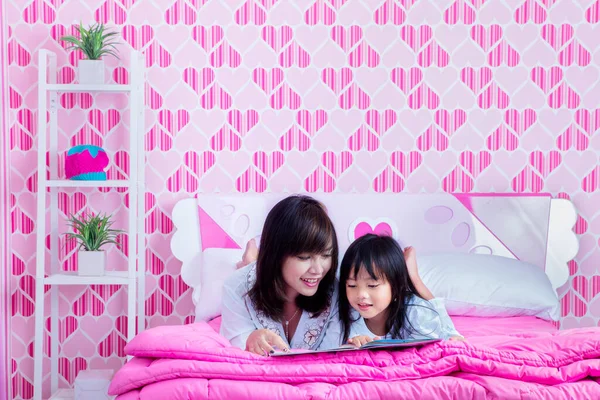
(379, 98)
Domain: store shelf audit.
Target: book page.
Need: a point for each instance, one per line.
(374, 345)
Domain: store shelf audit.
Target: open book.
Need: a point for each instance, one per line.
(374, 345)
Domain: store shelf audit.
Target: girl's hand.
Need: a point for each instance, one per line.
(261, 342)
(457, 338)
(361, 339)
(410, 256)
(250, 254)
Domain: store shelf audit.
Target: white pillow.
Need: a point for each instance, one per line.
(216, 266)
(489, 286)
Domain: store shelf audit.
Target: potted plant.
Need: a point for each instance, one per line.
(92, 232)
(94, 42)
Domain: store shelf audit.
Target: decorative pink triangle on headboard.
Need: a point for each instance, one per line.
(212, 235)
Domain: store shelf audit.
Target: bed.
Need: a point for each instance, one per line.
(508, 354)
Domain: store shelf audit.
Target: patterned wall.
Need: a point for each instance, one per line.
(4, 221)
(325, 95)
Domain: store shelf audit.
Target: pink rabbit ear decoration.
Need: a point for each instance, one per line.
(363, 226)
(86, 163)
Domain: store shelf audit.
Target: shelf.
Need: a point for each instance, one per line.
(75, 87)
(71, 278)
(63, 394)
(130, 276)
(77, 184)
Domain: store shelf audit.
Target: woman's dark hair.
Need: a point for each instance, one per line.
(382, 258)
(296, 225)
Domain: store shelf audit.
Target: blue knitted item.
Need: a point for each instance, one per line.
(90, 176)
(94, 150)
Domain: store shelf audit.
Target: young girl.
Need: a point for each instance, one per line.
(284, 299)
(385, 297)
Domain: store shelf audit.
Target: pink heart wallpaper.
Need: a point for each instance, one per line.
(298, 96)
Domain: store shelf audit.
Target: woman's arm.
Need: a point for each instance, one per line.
(333, 335)
(236, 323)
(332, 331)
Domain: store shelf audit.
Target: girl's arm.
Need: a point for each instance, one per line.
(334, 335)
(429, 319)
(359, 341)
(445, 327)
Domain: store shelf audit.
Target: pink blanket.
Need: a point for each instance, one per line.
(193, 361)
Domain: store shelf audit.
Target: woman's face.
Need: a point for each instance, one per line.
(304, 272)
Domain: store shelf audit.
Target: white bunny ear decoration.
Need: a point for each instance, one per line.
(379, 226)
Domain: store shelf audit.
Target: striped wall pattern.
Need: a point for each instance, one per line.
(5, 226)
(312, 95)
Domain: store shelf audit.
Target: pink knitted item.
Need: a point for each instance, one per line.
(86, 162)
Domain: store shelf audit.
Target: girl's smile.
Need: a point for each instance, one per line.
(369, 296)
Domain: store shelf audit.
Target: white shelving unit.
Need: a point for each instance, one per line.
(59, 183)
(134, 276)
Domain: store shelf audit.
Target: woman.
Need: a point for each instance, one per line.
(284, 299)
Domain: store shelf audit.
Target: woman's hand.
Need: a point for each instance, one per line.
(362, 339)
(457, 338)
(410, 256)
(261, 342)
(250, 254)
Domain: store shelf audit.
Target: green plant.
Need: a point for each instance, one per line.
(94, 42)
(93, 231)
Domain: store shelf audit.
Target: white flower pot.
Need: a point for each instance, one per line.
(91, 72)
(91, 263)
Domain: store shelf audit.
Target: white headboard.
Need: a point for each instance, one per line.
(533, 228)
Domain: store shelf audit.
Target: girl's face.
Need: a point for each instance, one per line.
(370, 297)
(304, 272)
